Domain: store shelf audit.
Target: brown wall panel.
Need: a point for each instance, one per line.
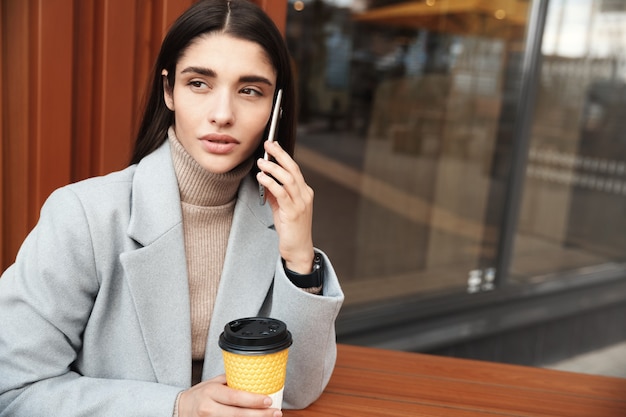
(15, 126)
(84, 122)
(72, 75)
(36, 111)
(116, 86)
(2, 164)
(51, 99)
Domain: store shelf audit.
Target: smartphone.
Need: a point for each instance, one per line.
(276, 113)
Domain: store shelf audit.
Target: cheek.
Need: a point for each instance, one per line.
(257, 140)
(259, 121)
(186, 111)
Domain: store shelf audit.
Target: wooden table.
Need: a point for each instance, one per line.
(375, 382)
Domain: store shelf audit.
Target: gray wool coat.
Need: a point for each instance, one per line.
(95, 314)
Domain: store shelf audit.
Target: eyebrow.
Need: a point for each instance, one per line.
(207, 72)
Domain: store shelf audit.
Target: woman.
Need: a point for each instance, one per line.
(117, 297)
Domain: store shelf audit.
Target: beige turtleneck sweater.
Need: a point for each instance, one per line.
(208, 203)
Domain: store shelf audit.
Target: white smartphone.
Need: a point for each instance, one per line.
(276, 113)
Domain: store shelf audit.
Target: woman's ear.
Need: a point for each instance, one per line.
(168, 95)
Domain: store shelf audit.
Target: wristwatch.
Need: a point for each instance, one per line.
(311, 280)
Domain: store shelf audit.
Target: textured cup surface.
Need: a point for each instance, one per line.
(263, 374)
(255, 352)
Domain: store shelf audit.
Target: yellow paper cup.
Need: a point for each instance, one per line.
(255, 352)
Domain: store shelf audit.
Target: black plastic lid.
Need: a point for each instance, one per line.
(255, 336)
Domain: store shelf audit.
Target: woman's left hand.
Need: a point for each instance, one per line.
(292, 205)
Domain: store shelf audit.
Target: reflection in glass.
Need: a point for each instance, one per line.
(401, 110)
(573, 208)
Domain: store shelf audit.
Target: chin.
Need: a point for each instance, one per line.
(215, 166)
(217, 170)
(223, 165)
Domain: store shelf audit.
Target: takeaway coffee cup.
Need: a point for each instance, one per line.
(255, 352)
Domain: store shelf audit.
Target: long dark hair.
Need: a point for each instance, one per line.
(239, 18)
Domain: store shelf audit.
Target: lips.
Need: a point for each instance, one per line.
(218, 144)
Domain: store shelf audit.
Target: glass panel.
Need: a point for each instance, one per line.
(400, 111)
(574, 205)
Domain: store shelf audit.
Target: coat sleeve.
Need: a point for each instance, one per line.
(311, 320)
(46, 298)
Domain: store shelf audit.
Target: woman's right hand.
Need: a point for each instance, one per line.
(213, 398)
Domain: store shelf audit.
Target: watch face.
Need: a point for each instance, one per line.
(317, 269)
(317, 262)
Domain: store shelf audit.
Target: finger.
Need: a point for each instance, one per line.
(281, 156)
(223, 394)
(214, 398)
(289, 196)
(284, 160)
(285, 182)
(272, 189)
(220, 379)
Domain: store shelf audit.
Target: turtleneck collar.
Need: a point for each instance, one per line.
(200, 187)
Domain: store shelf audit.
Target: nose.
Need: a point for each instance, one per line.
(222, 112)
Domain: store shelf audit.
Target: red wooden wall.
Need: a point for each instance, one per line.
(72, 78)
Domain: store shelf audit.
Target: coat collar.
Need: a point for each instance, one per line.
(156, 206)
(157, 270)
(249, 267)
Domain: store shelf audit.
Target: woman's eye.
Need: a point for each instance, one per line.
(197, 84)
(251, 91)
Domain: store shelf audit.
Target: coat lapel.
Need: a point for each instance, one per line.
(156, 271)
(248, 271)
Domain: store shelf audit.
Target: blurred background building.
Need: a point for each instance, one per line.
(469, 163)
(468, 156)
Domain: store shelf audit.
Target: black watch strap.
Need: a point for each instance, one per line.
(311, 280)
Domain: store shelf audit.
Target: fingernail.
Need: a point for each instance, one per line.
(278, 414)
(267, 401)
